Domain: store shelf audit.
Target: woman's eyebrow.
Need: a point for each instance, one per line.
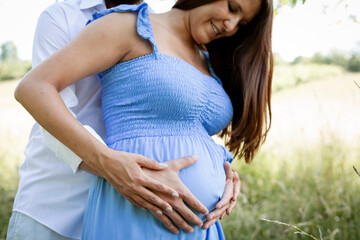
(239, 6)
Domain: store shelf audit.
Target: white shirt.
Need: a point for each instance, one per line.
(49, 191)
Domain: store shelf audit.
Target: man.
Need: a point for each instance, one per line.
(52, 194)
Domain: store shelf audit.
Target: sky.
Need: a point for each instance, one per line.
(316, 26)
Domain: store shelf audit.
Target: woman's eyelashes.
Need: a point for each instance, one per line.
(235, 9)
(243, 23)
(232, 8)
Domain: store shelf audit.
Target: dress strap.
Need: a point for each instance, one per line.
(211, 70)
(143, 24)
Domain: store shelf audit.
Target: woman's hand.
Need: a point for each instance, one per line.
(124, 172)
(230, 196)
(182, 214)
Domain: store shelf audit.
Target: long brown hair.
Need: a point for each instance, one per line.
(244, 63)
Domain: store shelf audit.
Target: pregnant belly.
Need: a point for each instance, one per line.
(205, 178)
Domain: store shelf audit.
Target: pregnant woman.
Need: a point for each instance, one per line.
(163, 100)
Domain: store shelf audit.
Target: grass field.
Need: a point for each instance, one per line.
(288, 75)
(302, 176)
(314, 188)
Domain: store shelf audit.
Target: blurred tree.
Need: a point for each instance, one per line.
(348, 60)
(301, 59)
(9, 53)
(338, 57)
(354, 63)
(335, 57)
(11, 67)
(278, 59)
(317, 58)
(280, 3)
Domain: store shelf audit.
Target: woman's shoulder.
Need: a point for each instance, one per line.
(116, 27)
(121, 21)
(117, 21)
(124, 9)
(122, 30)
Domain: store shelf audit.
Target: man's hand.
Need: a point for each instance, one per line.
(182, 214)
(230, 196)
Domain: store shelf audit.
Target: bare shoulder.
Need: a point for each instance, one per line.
(117, 27)
(115, 36)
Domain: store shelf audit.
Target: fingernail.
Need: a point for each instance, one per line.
(175, 194)
(209, 218)
(158, 212)
(163, 165)
(191, 230)
(195, 157)
(176, 231)
(168, 209)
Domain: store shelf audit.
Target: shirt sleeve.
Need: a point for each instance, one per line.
(64, 153)
(51, 35)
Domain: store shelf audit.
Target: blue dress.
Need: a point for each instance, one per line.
(163, 108)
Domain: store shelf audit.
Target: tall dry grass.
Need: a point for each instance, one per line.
(9, 163)
(312, 188)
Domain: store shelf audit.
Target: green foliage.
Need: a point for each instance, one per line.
(280, 3)
(11, 67)
(354, 63)
(291, 75)
(14, 71)
(9, 53)
(8, 185)
(278, 60)
(335, 58)
(303, 69)
(310, 187)
(350, 62)
(299, 59)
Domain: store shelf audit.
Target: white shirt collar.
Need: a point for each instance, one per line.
(85, 4)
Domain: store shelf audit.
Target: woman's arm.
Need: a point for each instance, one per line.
(94, 50)
(103, 43)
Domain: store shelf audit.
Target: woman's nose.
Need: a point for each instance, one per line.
(232, 23)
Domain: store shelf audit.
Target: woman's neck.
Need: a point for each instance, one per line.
(176, 23)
